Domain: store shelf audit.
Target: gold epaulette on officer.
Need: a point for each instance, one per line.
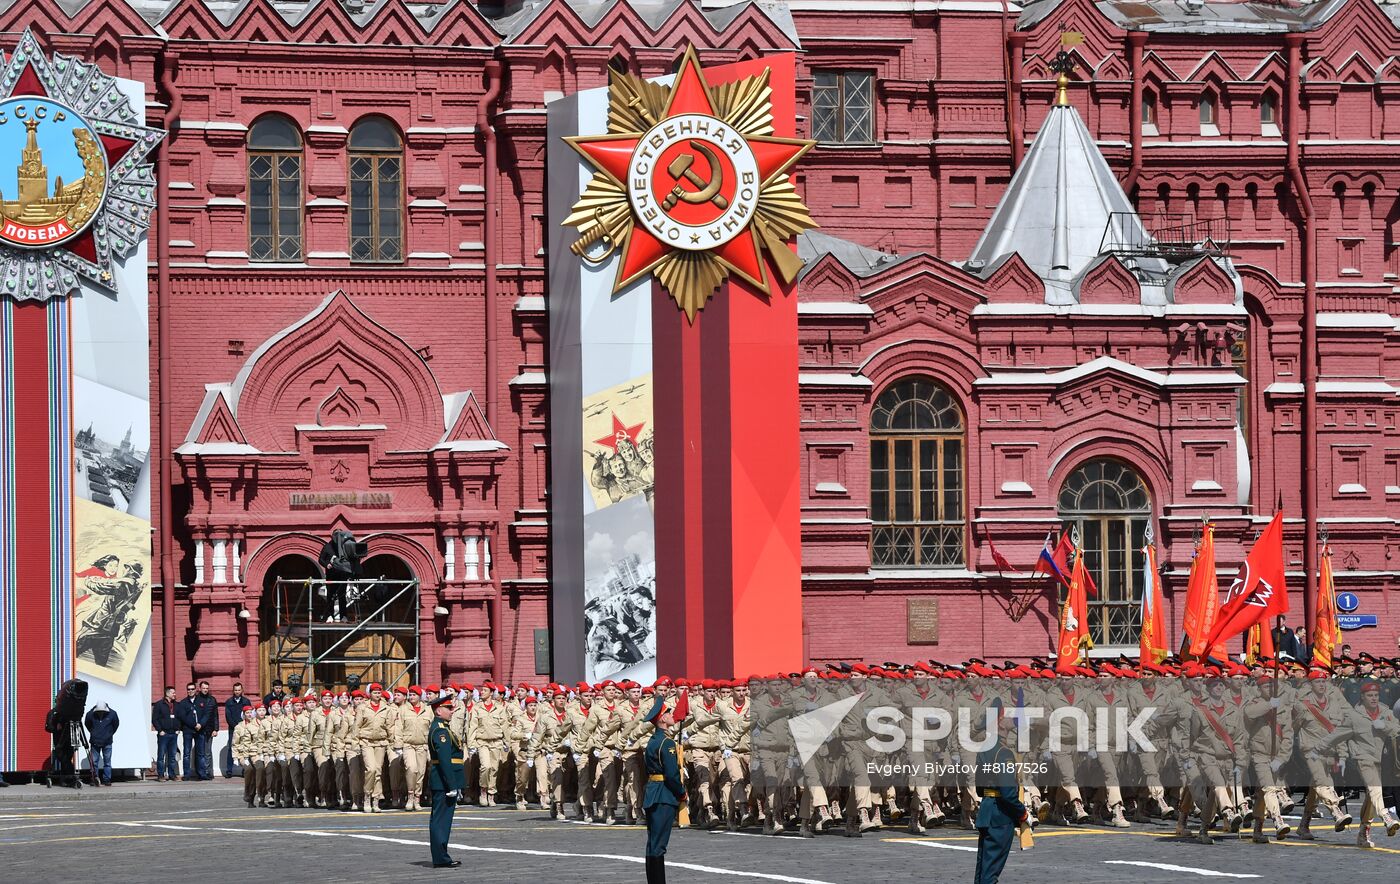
(990, 793)
(655, 778)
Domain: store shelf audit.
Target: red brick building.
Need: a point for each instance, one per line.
(350, 290)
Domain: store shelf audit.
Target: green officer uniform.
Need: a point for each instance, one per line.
(999, 813)
(663, 797)
(447, 780)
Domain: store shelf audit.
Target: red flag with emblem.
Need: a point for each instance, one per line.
(1258, 592)
(1074, 619)
(1327, 635)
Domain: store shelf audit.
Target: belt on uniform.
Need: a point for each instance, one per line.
(990, 793)
(655, 778)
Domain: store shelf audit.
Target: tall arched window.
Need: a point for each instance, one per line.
(274, 190)
(376, 201)
(1107, 502)
(916, 478)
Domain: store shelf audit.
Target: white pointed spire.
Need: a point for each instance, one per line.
(1057, 207)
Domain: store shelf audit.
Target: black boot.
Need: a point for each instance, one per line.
(651, 870)
(656, 870)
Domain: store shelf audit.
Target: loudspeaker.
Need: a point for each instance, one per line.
(72, 699)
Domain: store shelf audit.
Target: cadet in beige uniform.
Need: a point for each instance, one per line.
(736, 721)
(247, 751)
(1319, 712)
(606, 751)
(353, 776)
(373, 726)
(298, 745)
(1216, 726)
(551, 742)
(635, 733)
(703, 742)
(414, 720)
(1365, 728)
(520, 722)
(275, 755)
(1270, 727)
(321, 721)
(460, 725)
(585, 721)
(488, 726)
(397, 791)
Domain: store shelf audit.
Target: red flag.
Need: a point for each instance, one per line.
(1258, 643)
(1000, 560)
(1074, 620)
(1327, 635)
(1258, 592)
(1152, 641)
(1202, 595)
(1058, 564)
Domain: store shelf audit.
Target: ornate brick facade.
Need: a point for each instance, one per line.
(426, 376)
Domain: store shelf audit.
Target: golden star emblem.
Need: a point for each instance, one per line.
(691, 185)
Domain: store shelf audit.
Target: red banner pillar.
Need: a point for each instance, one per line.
(728, 523)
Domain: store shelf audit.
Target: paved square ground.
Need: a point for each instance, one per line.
(182, 832)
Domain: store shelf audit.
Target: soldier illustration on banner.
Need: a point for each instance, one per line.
(74, 287)
(618, 462)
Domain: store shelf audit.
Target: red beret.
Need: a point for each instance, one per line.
(415, 689)
(376, 686)
(360, 694)
(529, 700)
(327, 694)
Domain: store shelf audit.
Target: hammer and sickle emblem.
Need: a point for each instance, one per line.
(680, 170)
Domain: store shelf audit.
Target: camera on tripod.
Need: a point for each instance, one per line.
(340, 561)
(65, 723)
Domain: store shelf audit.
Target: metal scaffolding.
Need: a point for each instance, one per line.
(375, 639)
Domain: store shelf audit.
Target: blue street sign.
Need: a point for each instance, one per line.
(1356, 621)
(1347, 601)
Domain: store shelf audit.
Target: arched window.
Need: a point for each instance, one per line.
(1268, 114)
(376, 191)
(274, 190)
(1107, 502)
(1149, 112)
(1207, 107)
(916, 478)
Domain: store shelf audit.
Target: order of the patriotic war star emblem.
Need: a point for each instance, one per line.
(691, 186)
(83, 193)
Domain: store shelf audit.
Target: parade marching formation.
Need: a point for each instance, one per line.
(1231, 744)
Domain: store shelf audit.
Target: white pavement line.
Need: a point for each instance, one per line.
(636, 860)
(30, 816)
(1167, 867)
(201, 810)
(942, 845)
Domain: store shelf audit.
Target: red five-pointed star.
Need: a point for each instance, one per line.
(620, 431)
(613, 153)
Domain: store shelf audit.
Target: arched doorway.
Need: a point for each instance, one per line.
(1108, 503)
(376, 642)
(283, 615)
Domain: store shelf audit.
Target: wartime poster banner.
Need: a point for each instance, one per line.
(74, 402)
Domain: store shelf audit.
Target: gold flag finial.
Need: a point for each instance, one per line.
(1062, 65)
